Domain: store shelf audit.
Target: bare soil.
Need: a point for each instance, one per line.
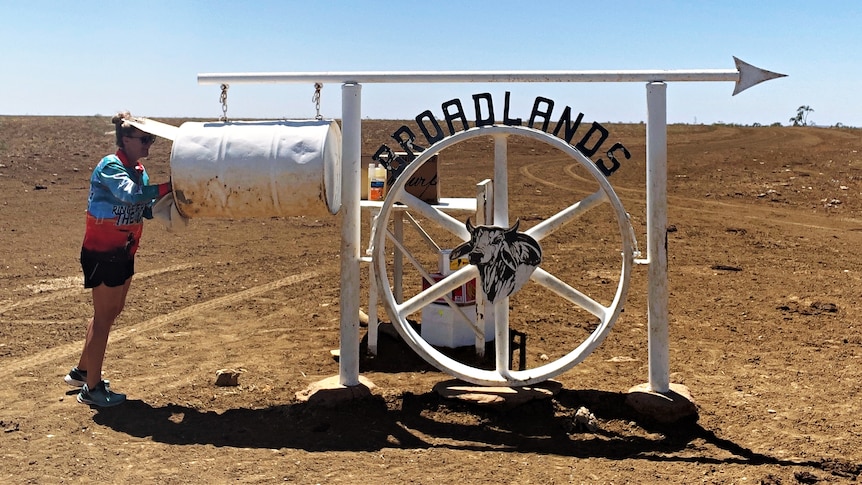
(765, 289)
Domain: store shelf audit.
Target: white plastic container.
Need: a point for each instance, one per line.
(257, 168)
(443, 327)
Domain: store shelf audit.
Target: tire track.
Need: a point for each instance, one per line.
(638, 196)
(73, 348)
(67, 292)
(47, 322)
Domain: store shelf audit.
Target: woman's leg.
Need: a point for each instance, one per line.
(108, 302)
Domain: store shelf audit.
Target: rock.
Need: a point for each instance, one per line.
(227, 377)
(584, 420)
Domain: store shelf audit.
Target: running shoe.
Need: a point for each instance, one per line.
(76, 377)
(100, 396)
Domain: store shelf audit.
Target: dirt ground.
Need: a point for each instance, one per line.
(765, 286)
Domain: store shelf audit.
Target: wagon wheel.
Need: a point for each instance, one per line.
(432, 219)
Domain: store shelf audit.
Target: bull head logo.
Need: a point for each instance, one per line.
(505, 258)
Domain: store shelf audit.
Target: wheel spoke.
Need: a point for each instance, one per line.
(561, 288)
(438, 290)
(560, 219)
(444, 220)
(421, 231)
(415, 262)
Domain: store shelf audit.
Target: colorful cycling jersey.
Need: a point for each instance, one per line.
(120, 198)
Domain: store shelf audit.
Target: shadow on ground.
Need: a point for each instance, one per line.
(412, 421)
(417, 421)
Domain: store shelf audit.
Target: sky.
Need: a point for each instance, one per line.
(101, 57)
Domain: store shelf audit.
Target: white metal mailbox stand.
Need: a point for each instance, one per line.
(744, 76)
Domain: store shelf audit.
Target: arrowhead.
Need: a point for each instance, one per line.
(750, 75)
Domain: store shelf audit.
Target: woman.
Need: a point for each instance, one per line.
(120, 198)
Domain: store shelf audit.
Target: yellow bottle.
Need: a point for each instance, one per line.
(377, 184)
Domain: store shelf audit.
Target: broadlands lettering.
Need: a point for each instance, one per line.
(592, 137)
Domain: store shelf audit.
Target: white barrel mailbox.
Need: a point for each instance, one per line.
(257, 168)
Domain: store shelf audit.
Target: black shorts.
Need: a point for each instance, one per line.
(110, 272)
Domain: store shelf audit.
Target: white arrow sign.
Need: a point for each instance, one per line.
(745, 75)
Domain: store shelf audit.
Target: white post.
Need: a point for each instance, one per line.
(501, 219)
(656, 198)
(501, 182)
(351, 148)
(373, 320)
(501, 333)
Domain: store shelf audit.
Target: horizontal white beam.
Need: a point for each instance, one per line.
(363, 77)
(745, 75)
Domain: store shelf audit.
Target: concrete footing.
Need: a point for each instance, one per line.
(330, 391)
(670, 407)
(496, 396)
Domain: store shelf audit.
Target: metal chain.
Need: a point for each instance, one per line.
(223, 100)
(315, 98)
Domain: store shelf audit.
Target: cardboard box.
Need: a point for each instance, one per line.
(423, 184)
(424, 181)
